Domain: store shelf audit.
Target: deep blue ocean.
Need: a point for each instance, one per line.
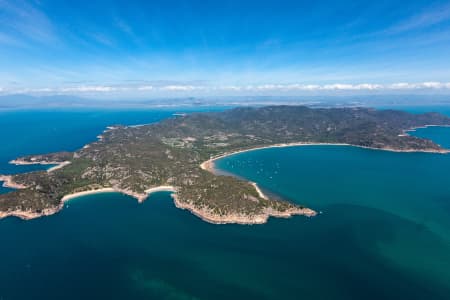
(384, 231)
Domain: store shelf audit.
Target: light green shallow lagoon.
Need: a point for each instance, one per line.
(384, 233)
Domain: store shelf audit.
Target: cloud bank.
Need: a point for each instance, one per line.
(174, 89)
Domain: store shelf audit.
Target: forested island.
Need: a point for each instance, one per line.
(177, 154)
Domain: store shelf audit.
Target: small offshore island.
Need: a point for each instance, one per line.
(178, 155)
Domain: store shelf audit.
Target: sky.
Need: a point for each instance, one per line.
(134, 49)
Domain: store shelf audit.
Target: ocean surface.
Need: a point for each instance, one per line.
(384, 230)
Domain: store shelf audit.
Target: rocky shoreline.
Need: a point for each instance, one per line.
(242, 219)
(203, 214)
(29, 215)
(9, 183)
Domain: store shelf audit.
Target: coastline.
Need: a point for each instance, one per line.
(28, 215)
(161, 188)
(69, 197)
(140, 197)
(9, 183)
(258, 190)
(209, 164)
(203, 214)
(407, 131)
(58, 165)
(20, 162)
(240, 219)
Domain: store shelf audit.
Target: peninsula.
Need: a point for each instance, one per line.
(178, 154)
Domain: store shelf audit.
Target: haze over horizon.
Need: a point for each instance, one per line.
(135, 49)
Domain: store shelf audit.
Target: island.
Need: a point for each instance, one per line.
(178, 154)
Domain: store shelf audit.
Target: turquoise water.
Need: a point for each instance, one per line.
(384, 232)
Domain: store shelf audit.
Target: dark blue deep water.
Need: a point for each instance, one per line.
(384, 231)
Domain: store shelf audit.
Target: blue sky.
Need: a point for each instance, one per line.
(182, 48)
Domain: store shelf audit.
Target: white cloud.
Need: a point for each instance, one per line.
(304, 87)
(145, 88)
(308, 87)
(369, 86)
(338, 86)
(187, 89)
(399, 86)
(230, 88)
(43, 90)
(181, 88)
(332, 87)
(421, 85)
(436, 85)
(88, 89)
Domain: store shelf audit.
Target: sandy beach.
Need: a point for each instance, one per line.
(59, 166)
(28, 215)
(260, 193)
(162, 188)
(139, 197)
(209, 164)
(85, 193)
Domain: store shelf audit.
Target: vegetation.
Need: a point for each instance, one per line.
(134, 159)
